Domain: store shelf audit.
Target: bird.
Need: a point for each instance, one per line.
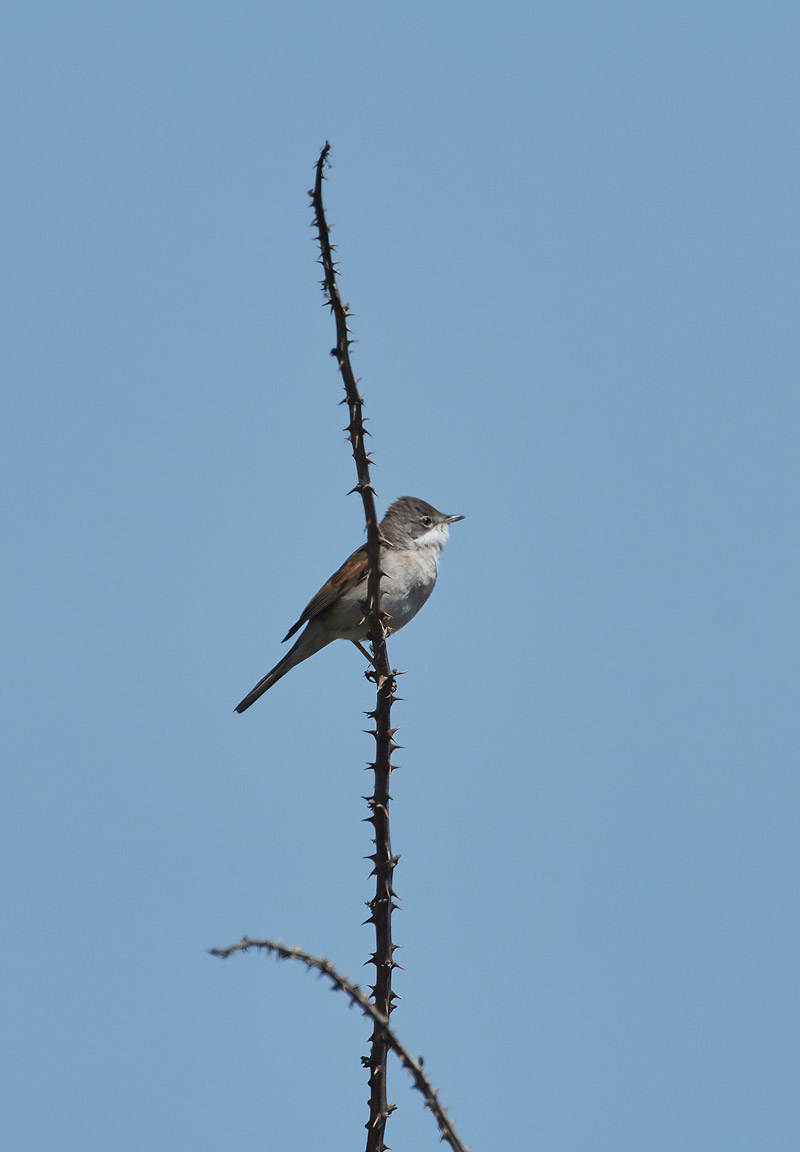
(415, 534)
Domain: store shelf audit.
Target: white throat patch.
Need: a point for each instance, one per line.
(437, 536)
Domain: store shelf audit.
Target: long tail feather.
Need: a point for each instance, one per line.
(280, 669)
(310, 641)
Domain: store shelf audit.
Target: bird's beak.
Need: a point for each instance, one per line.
(452, 519)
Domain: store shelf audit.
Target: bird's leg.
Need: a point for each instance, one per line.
(364, 652)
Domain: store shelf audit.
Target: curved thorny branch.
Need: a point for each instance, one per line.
(382, 904)
(357, 996)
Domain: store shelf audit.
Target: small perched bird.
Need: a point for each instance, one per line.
(416, 534)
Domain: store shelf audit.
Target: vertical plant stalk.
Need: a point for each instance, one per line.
(383, 903)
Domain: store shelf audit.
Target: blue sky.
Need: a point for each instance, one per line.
(569, 237)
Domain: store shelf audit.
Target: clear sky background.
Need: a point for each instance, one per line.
(569, 236)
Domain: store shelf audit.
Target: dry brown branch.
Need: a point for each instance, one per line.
(382, 904)
(358, 997)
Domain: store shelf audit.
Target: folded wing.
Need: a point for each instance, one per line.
(351, 573)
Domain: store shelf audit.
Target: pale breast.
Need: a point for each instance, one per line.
(409, 581)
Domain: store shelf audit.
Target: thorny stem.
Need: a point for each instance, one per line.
(382, 904)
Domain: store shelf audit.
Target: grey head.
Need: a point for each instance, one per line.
(412, 523)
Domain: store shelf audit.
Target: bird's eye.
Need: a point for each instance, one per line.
(426, 521)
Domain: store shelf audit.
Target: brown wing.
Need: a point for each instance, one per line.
(351, 572)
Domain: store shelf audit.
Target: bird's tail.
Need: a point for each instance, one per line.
(280, 669)
(309, 642)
